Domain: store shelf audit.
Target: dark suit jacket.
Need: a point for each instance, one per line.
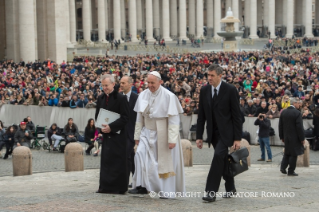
(227, 114)
(130, 126)
(291, 130)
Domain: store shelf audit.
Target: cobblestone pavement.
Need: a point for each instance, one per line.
(74, 191)
(43, 161)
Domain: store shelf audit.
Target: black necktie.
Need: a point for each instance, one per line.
(215, 95)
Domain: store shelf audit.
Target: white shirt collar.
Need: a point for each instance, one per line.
(217, 88)
(128, 94)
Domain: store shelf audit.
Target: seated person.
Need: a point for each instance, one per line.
(2, 141)
(9, 140)
(273, 112)
(71, 131)
(89, 135)
(30, 124)
(54, 134)
(306, 113)
(23, 136)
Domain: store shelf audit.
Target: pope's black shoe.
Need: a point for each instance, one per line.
(283, 171)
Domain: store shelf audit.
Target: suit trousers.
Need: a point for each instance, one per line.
(289, 160)
(218, 168)
(130, 159)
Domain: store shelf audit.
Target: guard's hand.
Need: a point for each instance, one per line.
(282, 140)
(303, 142)
(106, 128)
(26, 134)
(18, 144)
(137, 142)
(236, 145)
(171, 145)
(199, 143)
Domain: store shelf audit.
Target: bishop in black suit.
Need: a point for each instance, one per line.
(219, 107)
(113, 173)
(126, 87)
(292, 134)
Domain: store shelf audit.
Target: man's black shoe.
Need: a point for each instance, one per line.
(293, 174)
(283, 171)
(130, 185)
(209, 199)
(230, 194)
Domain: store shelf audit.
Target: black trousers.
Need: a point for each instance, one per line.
(130, 159)
(218, 168)
(289, 160)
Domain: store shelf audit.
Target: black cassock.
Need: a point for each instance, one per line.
(113, 173)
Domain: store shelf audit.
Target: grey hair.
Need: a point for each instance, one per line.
(250, 101)
(263, 102)
(293, 101)
(107, 76)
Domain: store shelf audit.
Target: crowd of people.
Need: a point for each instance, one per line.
(265, 80)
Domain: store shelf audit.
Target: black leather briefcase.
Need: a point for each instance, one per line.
(237, 162)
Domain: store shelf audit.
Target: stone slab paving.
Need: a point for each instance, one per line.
(74, 191)
(43, 161)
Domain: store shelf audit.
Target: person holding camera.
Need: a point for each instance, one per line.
(264, 127)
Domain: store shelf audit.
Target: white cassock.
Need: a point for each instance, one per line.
(158, 168)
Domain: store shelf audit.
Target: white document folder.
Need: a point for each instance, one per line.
(106, 117)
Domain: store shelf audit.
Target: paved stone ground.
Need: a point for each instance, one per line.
(206, 47)
(43, 161)
(74, 191)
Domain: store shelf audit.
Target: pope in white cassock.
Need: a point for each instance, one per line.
(159, 165)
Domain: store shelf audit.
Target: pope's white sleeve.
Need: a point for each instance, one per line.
(138, 126)
(173, 128)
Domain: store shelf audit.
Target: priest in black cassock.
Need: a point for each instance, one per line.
(113, 173)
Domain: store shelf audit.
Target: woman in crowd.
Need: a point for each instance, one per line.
(3, 101)
(273, 112)
(12, 100)
(91, 102)
(89, 134)
(306, 113)
(55, 134)
(9, 140)
(20, 100)
(285, 102)
(71, 131)
(29, 100)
